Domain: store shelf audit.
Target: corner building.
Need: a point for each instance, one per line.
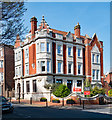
(50, 56)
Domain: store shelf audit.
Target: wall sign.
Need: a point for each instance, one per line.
(76, 89)
(86, 92)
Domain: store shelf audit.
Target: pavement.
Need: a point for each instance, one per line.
(105, 109)
(26, 111)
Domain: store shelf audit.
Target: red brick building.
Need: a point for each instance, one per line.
(6, 69)
(49, 56)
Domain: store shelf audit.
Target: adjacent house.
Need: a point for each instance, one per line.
(50, 56)
(6, 69)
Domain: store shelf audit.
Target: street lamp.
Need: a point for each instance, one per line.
(50, 92)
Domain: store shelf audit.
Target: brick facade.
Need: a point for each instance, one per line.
(58, 56)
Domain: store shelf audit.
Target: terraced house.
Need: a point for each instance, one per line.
(49, 56)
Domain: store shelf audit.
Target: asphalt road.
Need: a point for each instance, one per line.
(30, 112)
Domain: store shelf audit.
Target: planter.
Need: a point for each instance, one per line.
(55, 101)
(70, 102)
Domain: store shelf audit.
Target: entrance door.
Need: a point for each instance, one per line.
(69, 85)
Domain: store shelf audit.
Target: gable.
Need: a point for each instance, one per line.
(69, 37)
(95, 49)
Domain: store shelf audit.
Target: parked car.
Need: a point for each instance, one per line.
(6, 106)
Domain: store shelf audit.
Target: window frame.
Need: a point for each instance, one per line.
(27, 86)
(59, 49)
(79, 55)
(48, 47)
(59, 65)
(78, 69)
(69, 68)
(34, 86)
(42, 66)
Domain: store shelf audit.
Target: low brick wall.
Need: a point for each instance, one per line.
(77, 100)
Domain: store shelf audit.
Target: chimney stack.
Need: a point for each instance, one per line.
(33, 26)
(77, 30)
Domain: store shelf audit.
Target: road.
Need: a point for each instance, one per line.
(28, 111)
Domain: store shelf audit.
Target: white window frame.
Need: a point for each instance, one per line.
(43, 66)
(60, 71)
(47, 66)
(26, 53)
(60, 49)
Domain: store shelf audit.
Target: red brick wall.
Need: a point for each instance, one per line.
(33, 28)
(9, 67)
(77, 33)
(32, 59)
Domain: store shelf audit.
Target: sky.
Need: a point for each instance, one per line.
(93, 17)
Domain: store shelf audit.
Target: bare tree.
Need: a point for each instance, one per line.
(11, 21)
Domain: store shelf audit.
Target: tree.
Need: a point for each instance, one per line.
(62, 91)
(11, 21)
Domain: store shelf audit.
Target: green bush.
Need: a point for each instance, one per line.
(110, 93)
(96, 91)
(61, 91)
(43, 99)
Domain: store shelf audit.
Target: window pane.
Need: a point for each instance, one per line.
(79, 83)
(69, 51)
(48, 66)
(79, 52)
(59, 67)
(69, 68)
(59, 81)
(79, 69)
(59, 49)
(97, 74)
(43, 65)
(93, 58)
(34, 86)
(48, 47)
(93, 74)
(42, 47)
(27, 86)
(37, 47)
(97, 58)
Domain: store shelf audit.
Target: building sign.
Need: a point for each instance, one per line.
(86, 88)
(76, 89)
(86, 92)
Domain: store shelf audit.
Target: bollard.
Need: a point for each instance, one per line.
(31, 100)
(46, 103)
(83, 104)
(80, 101)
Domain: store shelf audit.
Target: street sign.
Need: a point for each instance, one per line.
(86, 88)
(86, 92)
(77, 89)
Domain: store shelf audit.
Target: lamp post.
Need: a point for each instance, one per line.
(50, 93)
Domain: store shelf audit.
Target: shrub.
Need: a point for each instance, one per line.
(56, 101)
(96, 91)
(110, 93)
(43, 99)
(61, 91)
(70, 101)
